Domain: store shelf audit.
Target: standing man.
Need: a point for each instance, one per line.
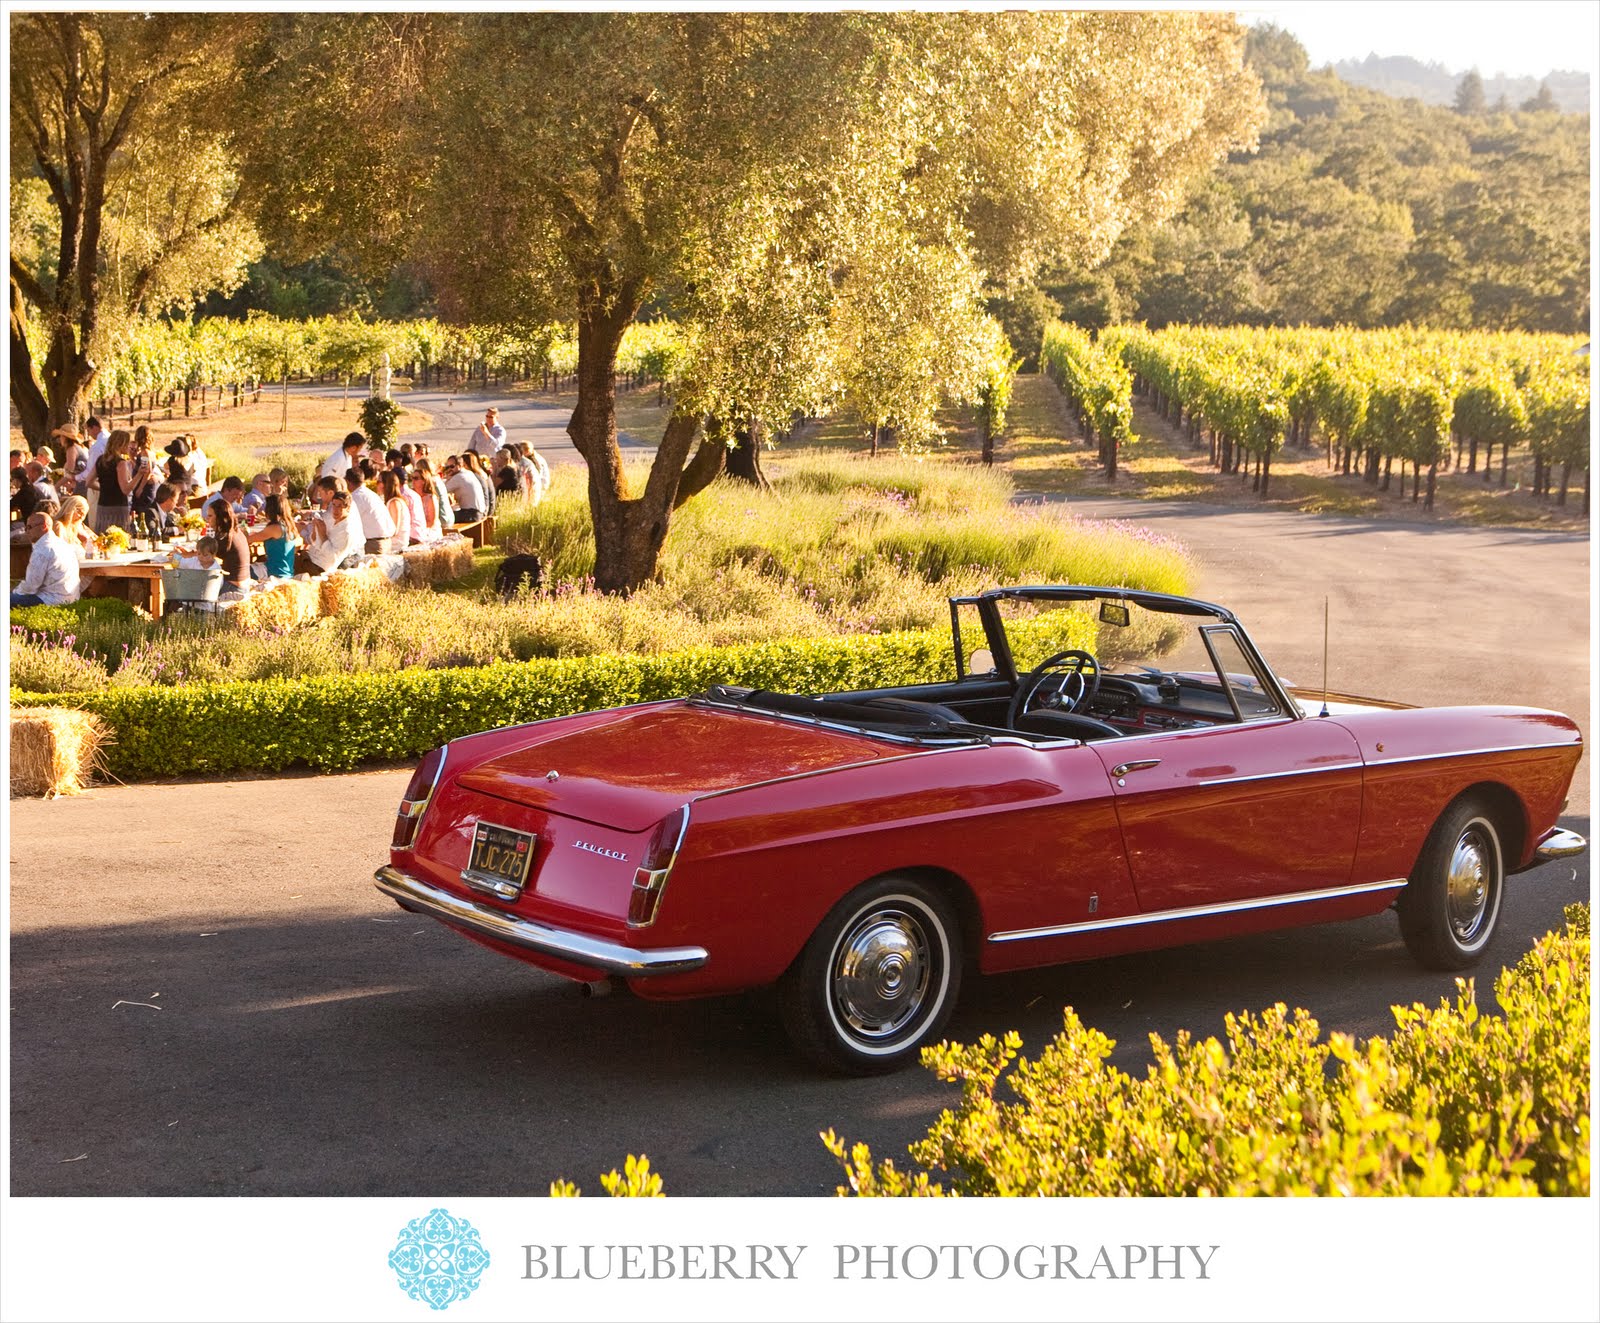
(339, 463)
(52, 577)
(489, 437)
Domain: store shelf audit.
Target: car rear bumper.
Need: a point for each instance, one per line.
(542, 939)
(1559, 843)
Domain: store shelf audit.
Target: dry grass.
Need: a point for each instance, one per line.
(54, 751)
(251, 432)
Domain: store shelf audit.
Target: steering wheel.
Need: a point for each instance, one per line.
(1066, 682)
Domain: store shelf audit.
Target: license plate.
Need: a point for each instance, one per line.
(499, 861)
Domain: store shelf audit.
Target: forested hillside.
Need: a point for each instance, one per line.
(1358, 209)
(1400, 75)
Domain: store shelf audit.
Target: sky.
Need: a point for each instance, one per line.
(1516, 37)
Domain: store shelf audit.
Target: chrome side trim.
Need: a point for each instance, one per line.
(1197, 911)
(1473, 753)
(1278, 776)
(609, 957)
(1559, 843)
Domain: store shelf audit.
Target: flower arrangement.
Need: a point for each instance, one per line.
(191, 521)
(112, 542)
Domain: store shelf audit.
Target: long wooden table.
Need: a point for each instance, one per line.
(135, 577)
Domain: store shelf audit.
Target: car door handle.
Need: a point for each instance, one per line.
(1122, 769)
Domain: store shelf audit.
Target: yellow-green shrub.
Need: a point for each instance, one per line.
(1453, 1102)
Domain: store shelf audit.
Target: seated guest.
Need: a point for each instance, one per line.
(445, 516)
(166, 510)
(231, 495)
(393, 489)
(507, 482)
(348, 452)
(335, 542)
(256, 497)
(395, 459)
(233, 550)
(412, 495)
(52, 577)
(278, 481)
(39, 476)
(377, 524)
(72, 525)
(478, 471)
(278, 537)
(464, 491)
(204, 558)
(24, 495)
(424, 503)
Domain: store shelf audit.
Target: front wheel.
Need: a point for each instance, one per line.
(877, 980)
(1451, 905)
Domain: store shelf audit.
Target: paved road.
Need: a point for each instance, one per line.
(289, 1032)
(456, 413)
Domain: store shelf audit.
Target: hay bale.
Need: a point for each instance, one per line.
(282, 606)
(438, 563)
(54, 750)
(344, 590)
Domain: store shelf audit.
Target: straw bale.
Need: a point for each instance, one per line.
(54, 750)
(440, 562)
(344, 590)
(282, 606)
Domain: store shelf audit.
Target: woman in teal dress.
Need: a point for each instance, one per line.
(277, 536)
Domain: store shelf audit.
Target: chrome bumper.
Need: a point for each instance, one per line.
(1559, 843)
(592, 952)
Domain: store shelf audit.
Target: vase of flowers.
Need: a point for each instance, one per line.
(113, 542)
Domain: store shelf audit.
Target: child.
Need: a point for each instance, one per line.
(205, 555)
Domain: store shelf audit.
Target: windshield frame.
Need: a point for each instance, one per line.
(988, 607)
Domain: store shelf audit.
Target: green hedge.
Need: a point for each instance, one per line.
(333, 723)
(1453, 1102)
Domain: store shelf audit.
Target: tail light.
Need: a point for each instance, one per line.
(651, 878)
(419, 790)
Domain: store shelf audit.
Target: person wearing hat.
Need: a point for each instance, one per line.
(74, 454)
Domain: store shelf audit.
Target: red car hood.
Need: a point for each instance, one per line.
(630, 771)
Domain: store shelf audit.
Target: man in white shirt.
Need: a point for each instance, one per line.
(377, 524)
(336, 538)
(344, 458)
(489, 436)
(95, 430)
(52, 577)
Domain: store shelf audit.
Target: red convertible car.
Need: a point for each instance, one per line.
(1104, 771)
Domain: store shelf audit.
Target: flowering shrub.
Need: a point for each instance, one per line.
(1452, 1102)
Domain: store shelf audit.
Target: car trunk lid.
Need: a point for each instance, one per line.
(630, 771)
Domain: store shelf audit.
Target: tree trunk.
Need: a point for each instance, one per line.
(1433, 477)
(1488, 468)
(872, 452)
(986, 438)
(1388, 468)
(628, 531)
(283, 422)
(1505, 459)
(1566, 478)
(1266, 473)
(27, 394)
(709, 462)
(744, 456)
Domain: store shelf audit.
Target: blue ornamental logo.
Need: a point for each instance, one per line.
(439, 1259)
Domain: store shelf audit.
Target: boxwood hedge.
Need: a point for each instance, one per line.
(333, 723)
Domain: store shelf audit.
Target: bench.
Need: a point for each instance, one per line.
(480, 532)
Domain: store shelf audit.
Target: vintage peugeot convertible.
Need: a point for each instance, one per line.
(863, 850)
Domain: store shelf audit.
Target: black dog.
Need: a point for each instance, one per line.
(515, 571)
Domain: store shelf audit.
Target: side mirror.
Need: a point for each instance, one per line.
(981, 662)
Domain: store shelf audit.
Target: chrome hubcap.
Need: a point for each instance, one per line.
(881, 975)
(1469, 882)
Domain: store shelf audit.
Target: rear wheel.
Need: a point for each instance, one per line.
(877, 980)
(1450, 907)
